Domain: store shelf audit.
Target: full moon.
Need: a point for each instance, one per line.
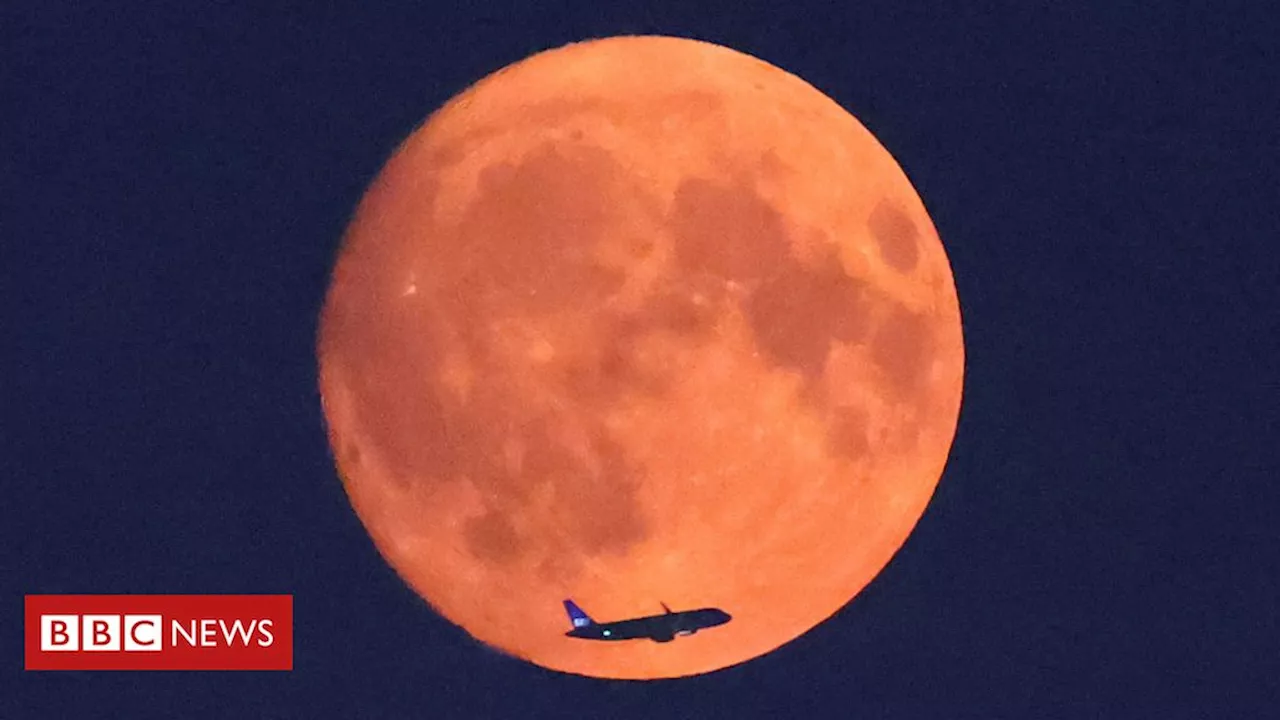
(634, 321)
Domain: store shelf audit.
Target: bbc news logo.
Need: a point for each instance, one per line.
(144, 633)
(159, 632)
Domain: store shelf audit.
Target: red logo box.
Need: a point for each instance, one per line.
(159, 632)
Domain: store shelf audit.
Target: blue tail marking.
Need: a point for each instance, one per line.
(576, 615)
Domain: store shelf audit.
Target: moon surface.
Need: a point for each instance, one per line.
(640, 320)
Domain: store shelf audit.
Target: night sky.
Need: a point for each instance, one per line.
(175, 181)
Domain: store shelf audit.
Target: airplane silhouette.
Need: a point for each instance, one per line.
(658, 628)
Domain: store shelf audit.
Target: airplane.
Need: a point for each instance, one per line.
(658, 628)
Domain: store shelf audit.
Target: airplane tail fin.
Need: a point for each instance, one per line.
(576, 615)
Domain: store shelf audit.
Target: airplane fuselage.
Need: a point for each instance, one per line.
(659, 628)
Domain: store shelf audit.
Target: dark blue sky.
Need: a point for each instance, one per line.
(175, 181)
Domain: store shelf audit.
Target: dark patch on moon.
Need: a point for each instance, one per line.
(532, 228)
(614, 366)
(595, 507)
(795, 311)
(847, 432)
(729, 232)
(351, 454)
(903, 348)
(677, 314)
(896, 235)
(798, 311)
(604, 504)
(491, 537)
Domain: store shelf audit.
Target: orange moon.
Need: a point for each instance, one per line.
(640, 320)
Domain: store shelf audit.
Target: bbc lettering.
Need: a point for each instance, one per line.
(142, 633)
(159, 632)
(100, 633)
